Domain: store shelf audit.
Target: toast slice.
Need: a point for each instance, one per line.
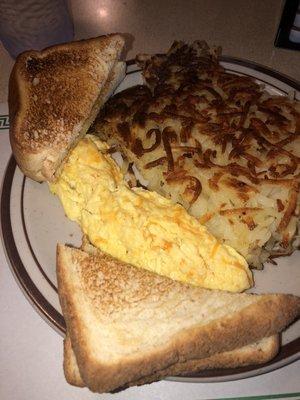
(126, 323)
(255, 353)
(55, 95)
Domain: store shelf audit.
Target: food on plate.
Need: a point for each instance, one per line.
(140, 226)
(255, 353)
(54, 96)
(127, 324)
(215, 142)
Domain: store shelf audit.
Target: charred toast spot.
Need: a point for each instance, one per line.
(35, 65)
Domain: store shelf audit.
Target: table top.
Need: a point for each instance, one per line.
(244, 29)
(30, 351)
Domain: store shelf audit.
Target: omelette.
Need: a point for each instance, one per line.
(141, 227)
(215, 142)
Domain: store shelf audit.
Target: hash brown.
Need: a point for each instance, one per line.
(215, 142)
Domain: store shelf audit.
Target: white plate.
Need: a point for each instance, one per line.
(33, 222)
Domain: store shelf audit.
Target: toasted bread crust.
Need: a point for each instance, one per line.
(52, 97)
(256, 353)
(70, 366)
(268, 315)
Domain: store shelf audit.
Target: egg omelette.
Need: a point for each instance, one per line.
(141, 227)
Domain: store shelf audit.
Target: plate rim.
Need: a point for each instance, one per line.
(249, 64)
(29, 289)
(56, 320)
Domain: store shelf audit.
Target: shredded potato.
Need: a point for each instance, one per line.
(215, 142)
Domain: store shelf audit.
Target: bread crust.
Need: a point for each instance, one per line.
(52, 97)
(70, 366)
(267, 316)
(256, 353)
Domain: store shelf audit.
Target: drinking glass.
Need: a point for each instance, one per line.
(34, 24)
